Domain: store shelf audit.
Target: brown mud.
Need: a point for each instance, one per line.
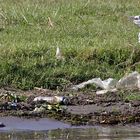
(83, 108)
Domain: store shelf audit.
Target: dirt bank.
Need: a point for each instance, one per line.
(82, 107)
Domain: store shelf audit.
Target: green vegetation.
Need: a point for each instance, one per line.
(95, 36)
(132, 96)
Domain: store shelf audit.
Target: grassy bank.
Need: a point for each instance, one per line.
(95, 36)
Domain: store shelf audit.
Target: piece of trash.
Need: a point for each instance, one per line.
(100, 92)
(49, 107)
(1, 124)
(9, 106)
(89, 101)
(44, 107)
(39, 109)
(54, 107)
(52, 100)
(109, 83)
(13, 105)
(59, 55)
(106, 84)
(136, 20)
(9, 97)
(131, 81)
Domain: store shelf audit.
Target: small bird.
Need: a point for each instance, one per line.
(136, 20)
(59, 55)
(139, 37)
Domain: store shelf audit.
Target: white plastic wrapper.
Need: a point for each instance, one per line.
(131, 81)
(109, 83)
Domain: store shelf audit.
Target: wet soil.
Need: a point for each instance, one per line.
(83, 108)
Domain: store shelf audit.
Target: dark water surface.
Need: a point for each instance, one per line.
(46, 129)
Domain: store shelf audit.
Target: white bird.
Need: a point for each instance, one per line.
(139, 37)
(59, 55)
(136, 20)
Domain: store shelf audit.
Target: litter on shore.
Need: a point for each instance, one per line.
(130, 81)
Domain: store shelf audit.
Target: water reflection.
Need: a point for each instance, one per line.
(97, 133)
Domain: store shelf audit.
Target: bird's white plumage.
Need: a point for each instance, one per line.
(59, 55)
(136, 20)
(139, 37)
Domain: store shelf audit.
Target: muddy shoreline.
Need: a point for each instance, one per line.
(83, 108)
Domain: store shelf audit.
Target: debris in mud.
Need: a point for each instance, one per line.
(77, 108)
(45, 107)
(106, 84)
(131, 81)
(1, 124)
(8, 97)
(10, 101)
(11, 97)
(39, 109)
(52, 100)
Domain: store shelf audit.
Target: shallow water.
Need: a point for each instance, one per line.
(46, 129)
(19, 124)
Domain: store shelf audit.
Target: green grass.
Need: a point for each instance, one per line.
(129, 95)
(133, 96)
(95, 36)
